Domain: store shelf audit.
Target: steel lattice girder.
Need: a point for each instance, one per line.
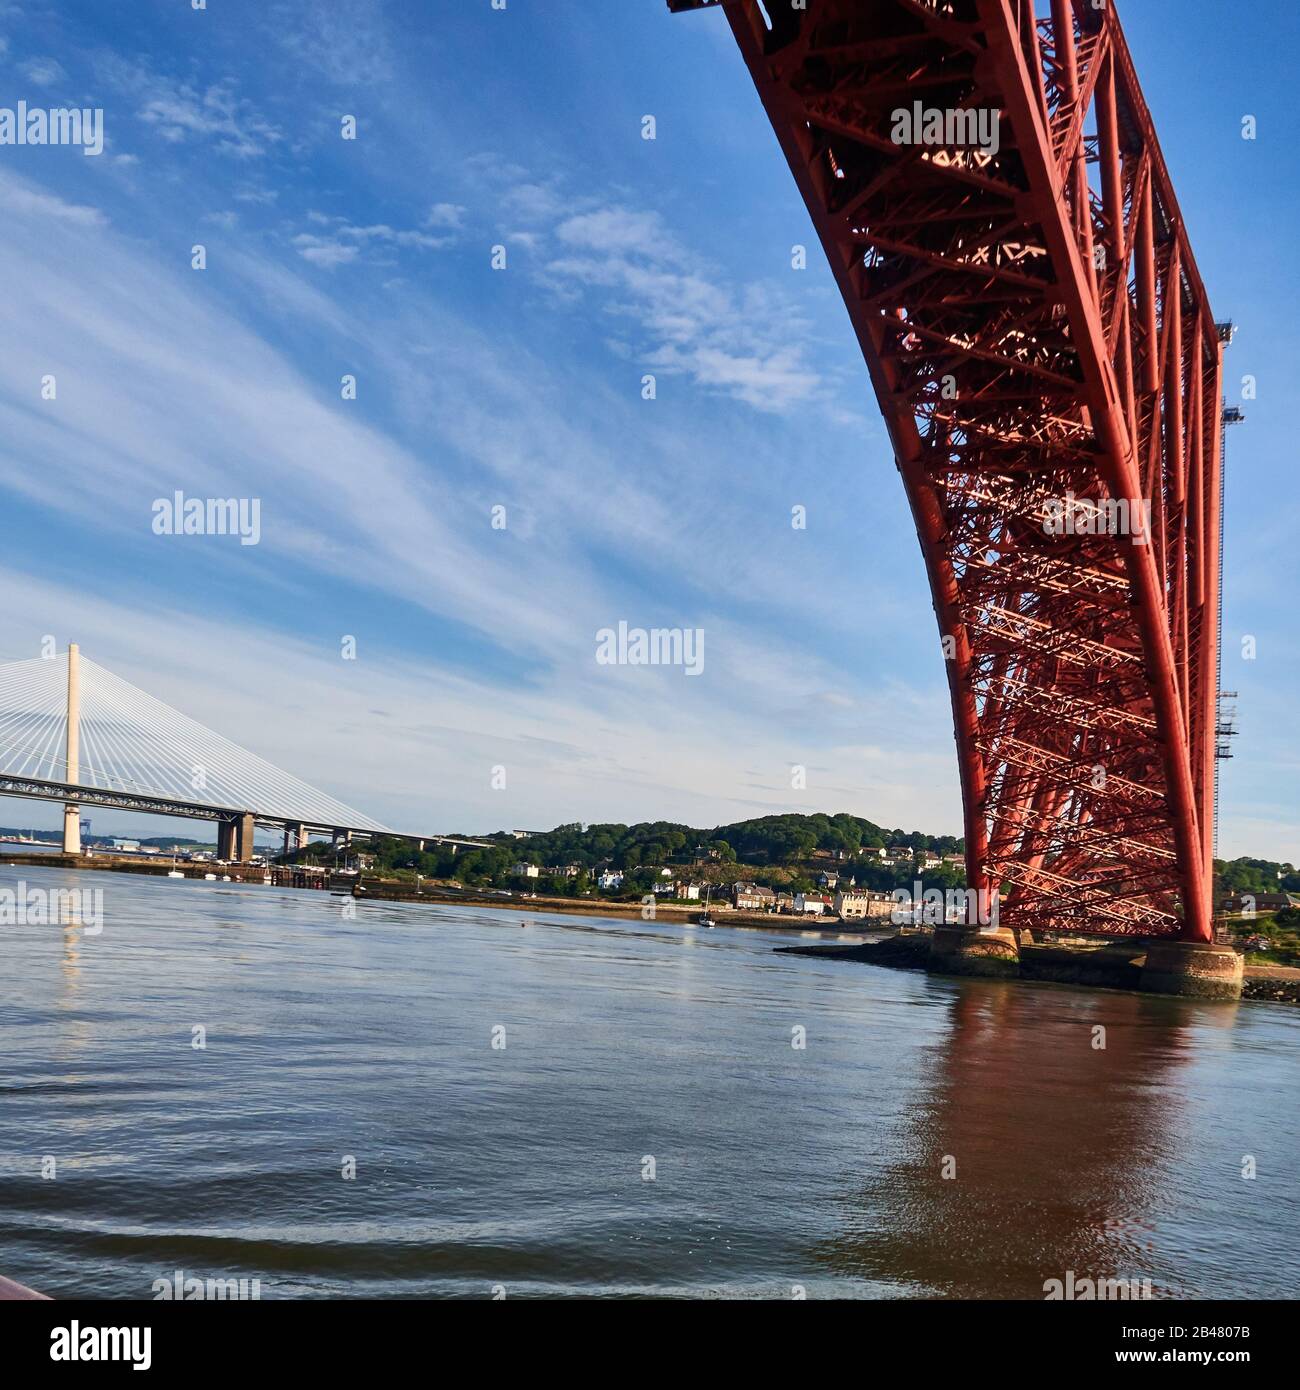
(1032, 339)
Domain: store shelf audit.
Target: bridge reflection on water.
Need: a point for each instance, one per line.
(1047, 1175)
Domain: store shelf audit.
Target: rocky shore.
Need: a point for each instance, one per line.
(1115, 965)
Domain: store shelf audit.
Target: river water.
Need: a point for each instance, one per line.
(648, 1127)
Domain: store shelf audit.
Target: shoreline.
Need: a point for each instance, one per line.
(1113, 965)
(378, 891)
(589, 907)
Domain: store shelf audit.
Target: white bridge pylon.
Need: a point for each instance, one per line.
(131, 743)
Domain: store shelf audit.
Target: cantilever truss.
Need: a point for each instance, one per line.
(1036, 331)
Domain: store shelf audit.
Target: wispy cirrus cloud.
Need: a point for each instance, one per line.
(670, 305)
(178, 112)
(346, 41)
(747, 341)
(448, 215)
(28, 200)
(45, 72)
(666, 303)
(325, 252)
(181, 112)
(341, 242)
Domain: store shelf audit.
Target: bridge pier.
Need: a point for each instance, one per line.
(295, 837)
(243, 829)
(341, 838)
(226, 840)
(962, 950)
(1193, 969)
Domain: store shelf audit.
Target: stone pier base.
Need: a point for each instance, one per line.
(1194, 969)
(244, 827)
(72, 829)
(957, 950)
(226, 840)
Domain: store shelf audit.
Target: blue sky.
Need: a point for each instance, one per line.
(521, 388)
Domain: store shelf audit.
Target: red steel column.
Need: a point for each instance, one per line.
(1113, 435)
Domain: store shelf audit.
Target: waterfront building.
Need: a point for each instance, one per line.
(851, 906)
(753, 897)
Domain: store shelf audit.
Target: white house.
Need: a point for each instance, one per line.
(809, 904)
(610, 880)
(525, 870)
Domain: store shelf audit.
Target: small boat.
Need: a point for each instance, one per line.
(174, 873)
(704, 919)
(210, 878)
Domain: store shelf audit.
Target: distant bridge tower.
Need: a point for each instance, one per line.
(71, 810)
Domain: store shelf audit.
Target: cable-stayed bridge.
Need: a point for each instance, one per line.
(74, 732)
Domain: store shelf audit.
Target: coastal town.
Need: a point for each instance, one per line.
(834, 894)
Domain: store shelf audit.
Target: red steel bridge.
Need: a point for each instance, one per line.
(1043, 352)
